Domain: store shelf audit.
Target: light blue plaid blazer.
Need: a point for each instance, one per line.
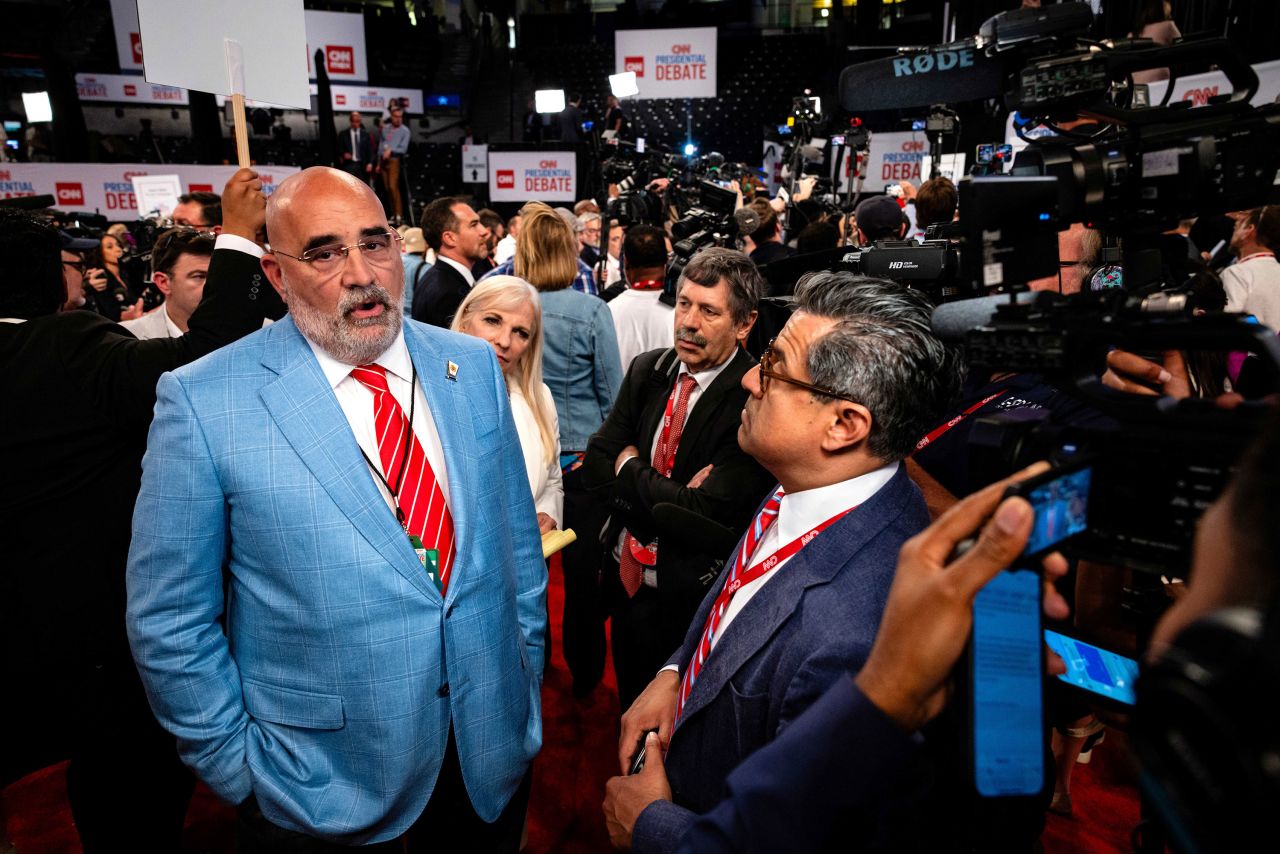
(286, 632)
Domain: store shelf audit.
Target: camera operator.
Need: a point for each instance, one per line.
(839, 757)
(79, 391)
(935, 202)
(767, 238)
(878, 218)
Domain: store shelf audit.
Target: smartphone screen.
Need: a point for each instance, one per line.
(1094, 669)
(985, 152)
(639, 145)
(1062, 509)
(1007, 695)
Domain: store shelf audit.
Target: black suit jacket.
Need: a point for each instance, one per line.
(437, 297)
(78, 392)
(364, 151)
(733, 490)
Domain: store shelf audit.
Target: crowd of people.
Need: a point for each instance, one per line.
(282, 533)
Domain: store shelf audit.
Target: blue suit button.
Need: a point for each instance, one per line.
(444, 690)
(449, 613)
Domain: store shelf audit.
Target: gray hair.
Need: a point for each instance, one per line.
(746, 285)
(588, 217)
(882, 352)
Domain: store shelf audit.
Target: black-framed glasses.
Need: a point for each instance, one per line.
(376, 249)
(80, 266)
(767, 359)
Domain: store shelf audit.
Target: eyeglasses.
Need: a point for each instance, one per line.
(767, 359)
(376, 249)
(79, 266)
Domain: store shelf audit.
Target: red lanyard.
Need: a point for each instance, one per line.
(647, 285)
(938, 432)
(780, 555)
(1256, 255)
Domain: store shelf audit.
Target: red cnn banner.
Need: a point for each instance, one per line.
(135, 42)
(69, 194)
(634, 63)
(506, 179)
(341, 59)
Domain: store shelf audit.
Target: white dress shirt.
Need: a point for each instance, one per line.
(545, 478)
(505, 250)
(465, 271)
(357, 404)
(799, 513)
(642, 323)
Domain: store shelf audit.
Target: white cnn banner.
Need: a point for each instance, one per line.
(128, 89)
(678, 63)
(107, 188)
(339, 34)
(521, 176)
(365, 100)
(893, 157)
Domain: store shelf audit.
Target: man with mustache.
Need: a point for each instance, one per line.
(336, 589)
(672, 437)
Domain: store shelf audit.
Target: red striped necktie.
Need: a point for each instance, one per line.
(630, 567)
(764, 520)
(420, 503)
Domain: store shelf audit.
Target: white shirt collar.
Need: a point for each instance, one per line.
(465, 271)
(800, 512)
(707, 376)
(174, 331)
(395, 359)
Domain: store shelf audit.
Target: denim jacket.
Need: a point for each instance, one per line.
(580, 363)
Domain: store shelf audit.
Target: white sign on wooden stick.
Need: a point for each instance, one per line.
(187, 46)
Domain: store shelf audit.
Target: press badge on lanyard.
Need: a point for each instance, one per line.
(430, 559)
(648, 555)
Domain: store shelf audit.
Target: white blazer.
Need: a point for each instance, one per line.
(545, 478)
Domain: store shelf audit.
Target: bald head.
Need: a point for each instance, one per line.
(303, 195)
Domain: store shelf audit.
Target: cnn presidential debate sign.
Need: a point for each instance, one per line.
(678, 63)
(107, 188)
(521, 176)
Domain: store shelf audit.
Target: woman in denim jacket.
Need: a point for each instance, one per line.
(581, 366)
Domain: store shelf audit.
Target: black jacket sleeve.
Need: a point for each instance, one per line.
(119, 373)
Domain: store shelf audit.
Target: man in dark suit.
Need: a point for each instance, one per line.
(672, 437)
(78, 393)
(457, 235)
(838, 400)
(357, 149)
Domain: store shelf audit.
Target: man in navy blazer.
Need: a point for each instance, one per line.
(838, 400)
(334, 679)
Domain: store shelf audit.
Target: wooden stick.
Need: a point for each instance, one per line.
(242, 130)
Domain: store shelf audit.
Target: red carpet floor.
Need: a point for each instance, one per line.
(578, 755)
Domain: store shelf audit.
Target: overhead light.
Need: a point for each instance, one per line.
(548, 100)
(624, 85)
(824, 12)
(690, 149)
(37, 106)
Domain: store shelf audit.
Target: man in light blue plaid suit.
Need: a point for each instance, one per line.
(286, 629)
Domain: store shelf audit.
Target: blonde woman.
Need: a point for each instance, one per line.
(506, 312)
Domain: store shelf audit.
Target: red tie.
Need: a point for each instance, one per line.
(419, 500)
(630, 567)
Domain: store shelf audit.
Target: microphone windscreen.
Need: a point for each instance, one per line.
(951, 321)
(942, 75)
(748, 220)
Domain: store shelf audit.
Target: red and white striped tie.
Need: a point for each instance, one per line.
(413, 484)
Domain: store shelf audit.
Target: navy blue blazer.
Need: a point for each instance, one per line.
(814, 621)
(840, 757)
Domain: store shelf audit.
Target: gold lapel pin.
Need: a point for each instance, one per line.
(452, 371)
